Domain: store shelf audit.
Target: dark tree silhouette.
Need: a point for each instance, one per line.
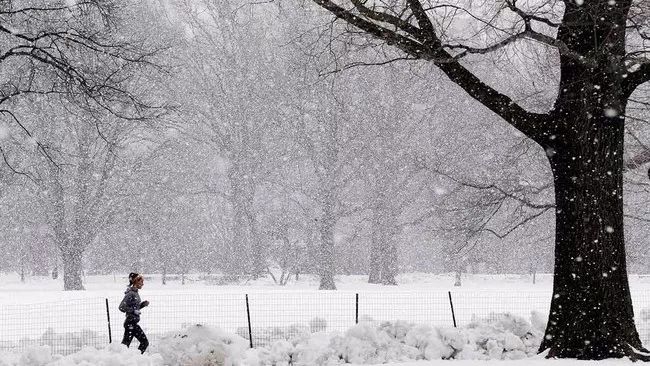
(591, 313)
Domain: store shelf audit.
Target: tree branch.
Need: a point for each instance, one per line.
(11, 167)
(426, 45)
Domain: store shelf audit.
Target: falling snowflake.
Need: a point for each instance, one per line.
(611, 112)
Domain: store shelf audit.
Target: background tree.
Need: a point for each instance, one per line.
(78, 55)
(393, 172)
(326, 137)
(232, 87)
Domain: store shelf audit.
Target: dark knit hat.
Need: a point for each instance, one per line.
(132, 277)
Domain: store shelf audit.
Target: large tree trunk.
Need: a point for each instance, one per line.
(591, 313)
(235, 248)
(374, 273)
(383, 251)
(389, 248)
(164, 274)
(389, 261)
(72, 267)
(257, 264)
(245, 255)
(238, 251)
(326, 228)
(458, 276)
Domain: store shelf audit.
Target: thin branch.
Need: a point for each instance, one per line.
(359, 64)
(41, 147)
(520, 224)
(528, 17)
(503, 192)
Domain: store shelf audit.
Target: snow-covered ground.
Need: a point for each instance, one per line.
(313, 327)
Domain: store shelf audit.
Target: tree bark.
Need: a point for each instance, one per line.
(235, 249)
(72, 266)
(383, 251)
(374, 273)
(257, 264)
(389, 263)
(591, 313)
(326, 228)
(389, 255)
(164, 275)
(245, 254)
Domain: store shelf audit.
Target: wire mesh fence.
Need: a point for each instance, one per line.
(431, 308)
(67, 326)
(287, 315)
(470, 306)
(641, 305)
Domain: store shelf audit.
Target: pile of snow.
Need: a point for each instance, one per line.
(200, 345)
(498, 337)
(504, 337)
(501, 336)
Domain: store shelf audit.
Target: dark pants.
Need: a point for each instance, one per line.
(133, 330)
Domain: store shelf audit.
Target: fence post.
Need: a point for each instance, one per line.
(453, 314)
(356, 311)
(108, 319)
(250, 329)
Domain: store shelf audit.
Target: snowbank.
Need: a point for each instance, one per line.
(501, 337)
(200, 345)
(507, 337)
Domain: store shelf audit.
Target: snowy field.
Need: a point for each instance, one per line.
(295, 322)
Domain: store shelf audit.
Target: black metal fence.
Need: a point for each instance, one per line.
(263, 317)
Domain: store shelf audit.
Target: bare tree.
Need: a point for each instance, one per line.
(234, 96)
(71, 48)
(602, 61)
(83, 196)
(81, 53)
(321, 141)
(394, 181)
